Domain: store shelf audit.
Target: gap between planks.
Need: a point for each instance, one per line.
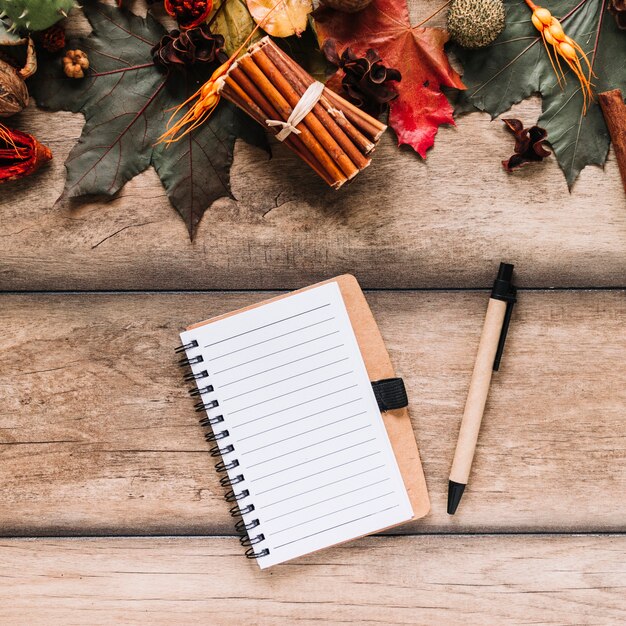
(98, 372)
(407, 580)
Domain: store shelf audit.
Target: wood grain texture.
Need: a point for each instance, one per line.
(98, 435)
(401, 580)
(404, 222)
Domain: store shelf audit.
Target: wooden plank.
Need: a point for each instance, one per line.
(97, 434)
(399, 580)
(404, 222)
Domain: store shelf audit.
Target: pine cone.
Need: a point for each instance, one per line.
(365, 79)
(196, 45)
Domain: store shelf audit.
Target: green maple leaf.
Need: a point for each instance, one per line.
(516, 65)
(125, 100)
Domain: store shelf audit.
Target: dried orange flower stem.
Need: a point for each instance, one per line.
(207, 97)
(564, 47)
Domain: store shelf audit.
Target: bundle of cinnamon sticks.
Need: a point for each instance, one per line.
(335, 139)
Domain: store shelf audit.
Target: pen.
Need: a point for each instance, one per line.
(488, 359)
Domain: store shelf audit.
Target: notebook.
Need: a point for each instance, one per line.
(309, 460)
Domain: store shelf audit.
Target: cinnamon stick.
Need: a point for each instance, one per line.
(233, 91)
(334, 137)
(359, 138)
(322, 134)
(363, 143)
(337, 130)
(270, 113)
(268, 90)
(368, 125)
(239, 76)
(372, 127)
(242, 98)
(251, 109)
(614, 111)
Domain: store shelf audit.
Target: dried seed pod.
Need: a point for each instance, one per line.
(20, 154)
(475, 23)
(367, 82)
(529, 144)
(558, 44)
(182, 49)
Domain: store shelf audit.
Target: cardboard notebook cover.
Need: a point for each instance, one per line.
(378, 365)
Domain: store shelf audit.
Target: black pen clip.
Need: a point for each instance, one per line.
(503, 289)
(503, 332)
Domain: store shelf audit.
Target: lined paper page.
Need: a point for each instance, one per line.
(302, 418)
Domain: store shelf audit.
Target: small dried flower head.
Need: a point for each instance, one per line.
(75, 63)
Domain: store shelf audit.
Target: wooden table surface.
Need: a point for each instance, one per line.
(110, 510)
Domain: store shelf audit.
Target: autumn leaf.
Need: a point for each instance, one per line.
(305, 51)
(125, 100)
(232, 19)
(281, 18)
(516, 66)
(237, 19)
(421, 107)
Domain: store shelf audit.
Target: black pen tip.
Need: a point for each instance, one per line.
(455, 492)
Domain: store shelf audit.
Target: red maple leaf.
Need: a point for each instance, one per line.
(417, 52)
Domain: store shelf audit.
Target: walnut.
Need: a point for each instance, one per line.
(13, 92)
(75, 62)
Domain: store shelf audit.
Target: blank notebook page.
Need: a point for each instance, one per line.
(300, 414)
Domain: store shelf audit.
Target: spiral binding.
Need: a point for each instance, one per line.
(223, 449)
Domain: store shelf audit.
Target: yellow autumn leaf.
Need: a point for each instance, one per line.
(234, 22)
(286, 19)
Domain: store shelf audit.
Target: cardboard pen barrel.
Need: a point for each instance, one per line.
(478, 391)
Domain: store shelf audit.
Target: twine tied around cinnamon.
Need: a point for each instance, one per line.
(335, 138)
(305, 105)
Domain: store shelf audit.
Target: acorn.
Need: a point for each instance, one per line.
(475, 23)
(346, 6)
